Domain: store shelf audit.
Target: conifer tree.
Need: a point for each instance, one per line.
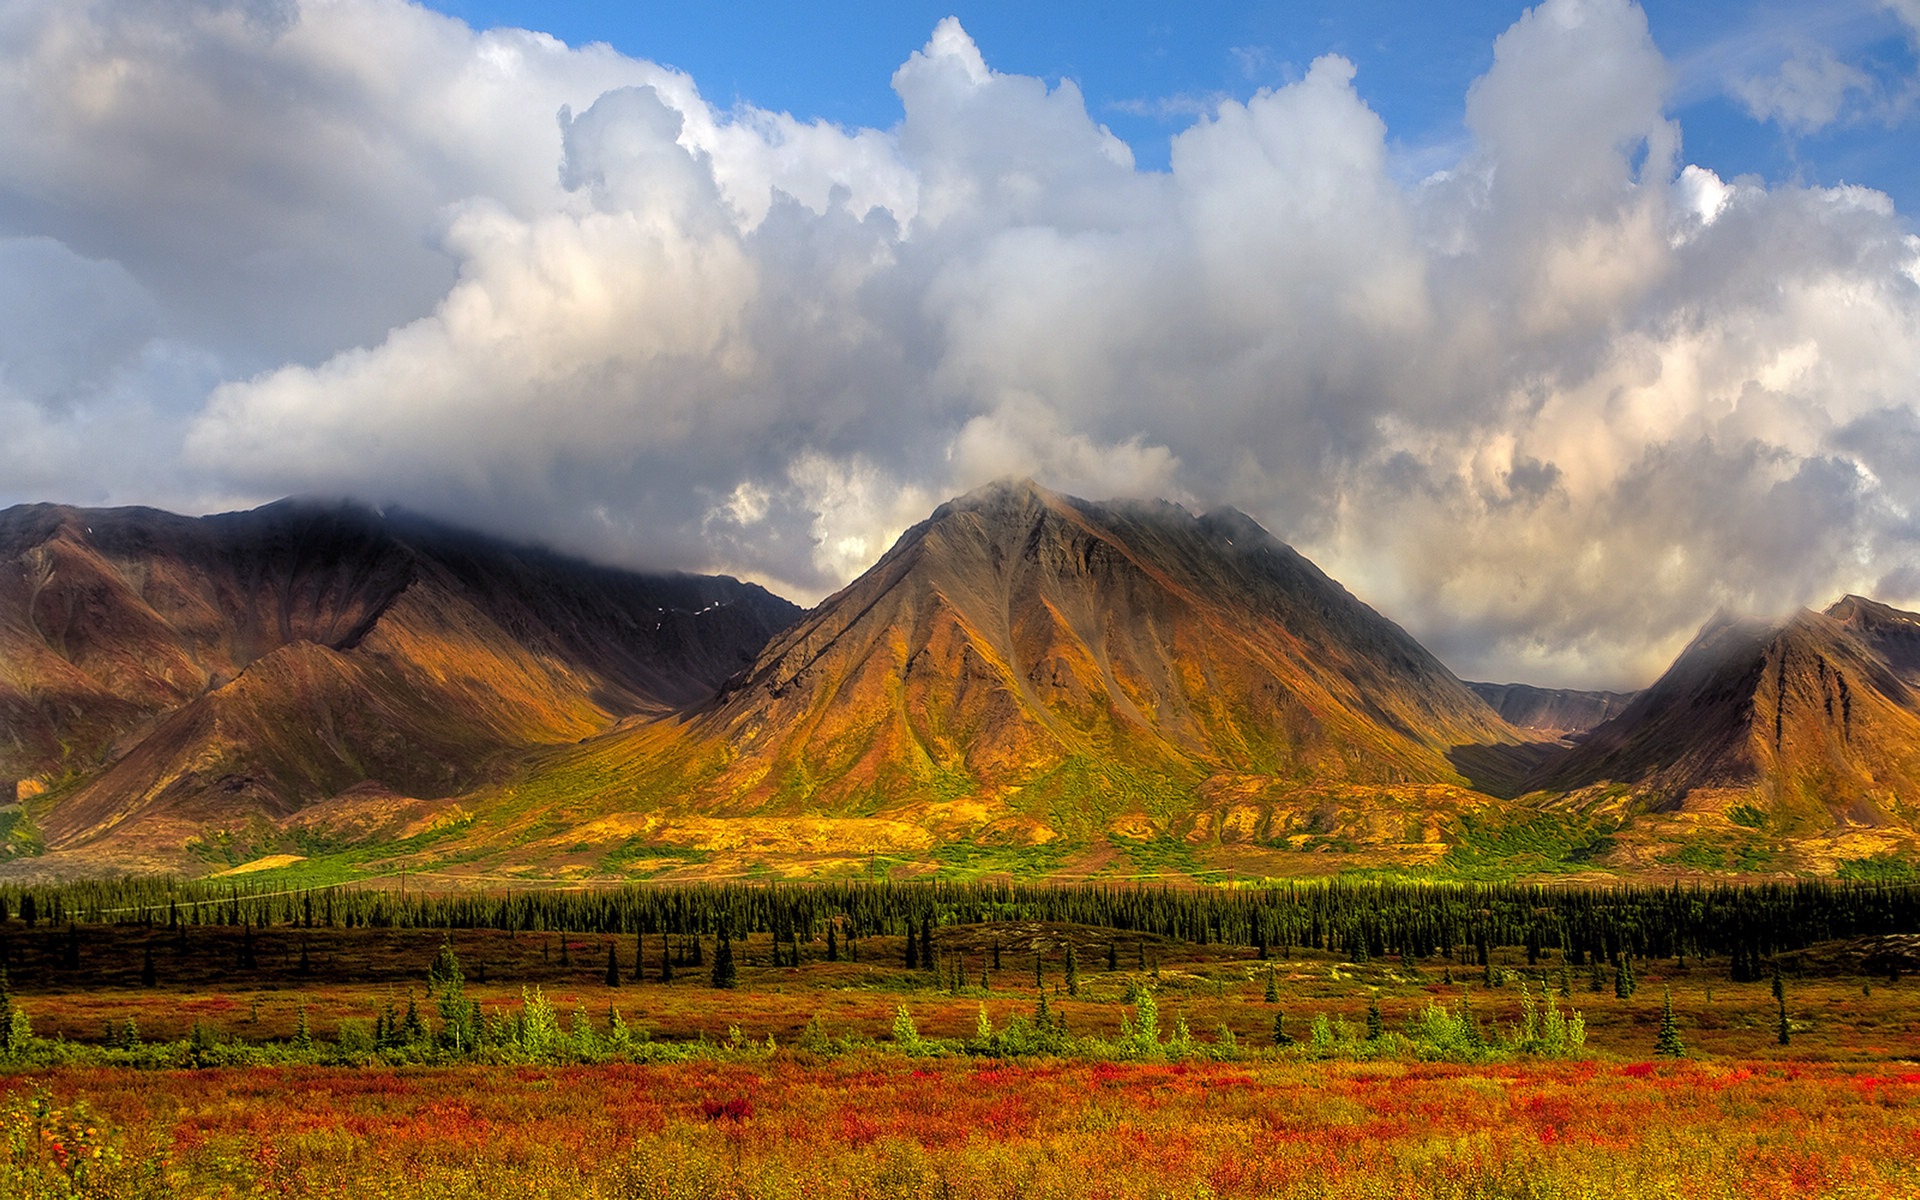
(1113, 956)
(926, 943)
(306, 963)
(1622, 985)
(1668, 1043)
(1375, 1026)
(302, 1031)
(1280, 1035)
(148, 977)
(833, 945)
(613, 967)
(247, 960)
(913, 949)
(724, 975)
(6, 1013)
(1073, 971)
(666, 963)
(1273, 987)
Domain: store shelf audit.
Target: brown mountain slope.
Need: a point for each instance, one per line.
(169, 677)
(1809, 729)
(1024, 666)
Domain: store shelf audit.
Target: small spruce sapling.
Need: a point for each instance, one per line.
(1668, 1044)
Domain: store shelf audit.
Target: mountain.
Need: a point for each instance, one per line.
(1806, 730)
(1550, 712)
(1029, 669)
(166, 679)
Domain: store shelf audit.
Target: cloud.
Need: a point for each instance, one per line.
(1807, 93)
(1549, 406)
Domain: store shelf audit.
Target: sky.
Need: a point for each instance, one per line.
(1552, 332)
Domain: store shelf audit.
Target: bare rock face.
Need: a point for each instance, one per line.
(166, 675)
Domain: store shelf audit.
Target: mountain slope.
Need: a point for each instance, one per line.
(1024, 666)
(166, 677)
(1806, 729)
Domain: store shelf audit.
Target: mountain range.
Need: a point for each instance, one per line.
(1025, 683)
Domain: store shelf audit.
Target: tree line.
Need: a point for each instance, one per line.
(1746, 924)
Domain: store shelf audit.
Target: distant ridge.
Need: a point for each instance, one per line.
(1551, 712)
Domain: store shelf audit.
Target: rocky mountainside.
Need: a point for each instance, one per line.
(163, 676)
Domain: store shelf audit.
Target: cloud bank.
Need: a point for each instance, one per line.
(1549, 408)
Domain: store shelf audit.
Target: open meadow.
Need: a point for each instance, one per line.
(173, 1052)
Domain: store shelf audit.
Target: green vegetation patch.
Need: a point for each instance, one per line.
(969, 860)
(637, 850)
(19, 836)
(1540, 842)
(1881, 868)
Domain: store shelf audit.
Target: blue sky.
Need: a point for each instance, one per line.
(1148, 69)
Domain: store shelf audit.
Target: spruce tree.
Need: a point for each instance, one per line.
(1073, 972)
(306, 963)
(1273, 987)
(1280, 1035)
(1113, 956)
(926, 943)
(148, 977)
(724, 975)
(1621, 987)
(666, 963)
(1375, 1026)
(913, 949)
(1668, 1043)
(613, 967)
(6, 1013)
(833, 945)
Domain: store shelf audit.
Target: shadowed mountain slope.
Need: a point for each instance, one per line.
(1810, 727)
(161, 676)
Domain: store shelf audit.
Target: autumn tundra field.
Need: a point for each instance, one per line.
(961, 1040)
